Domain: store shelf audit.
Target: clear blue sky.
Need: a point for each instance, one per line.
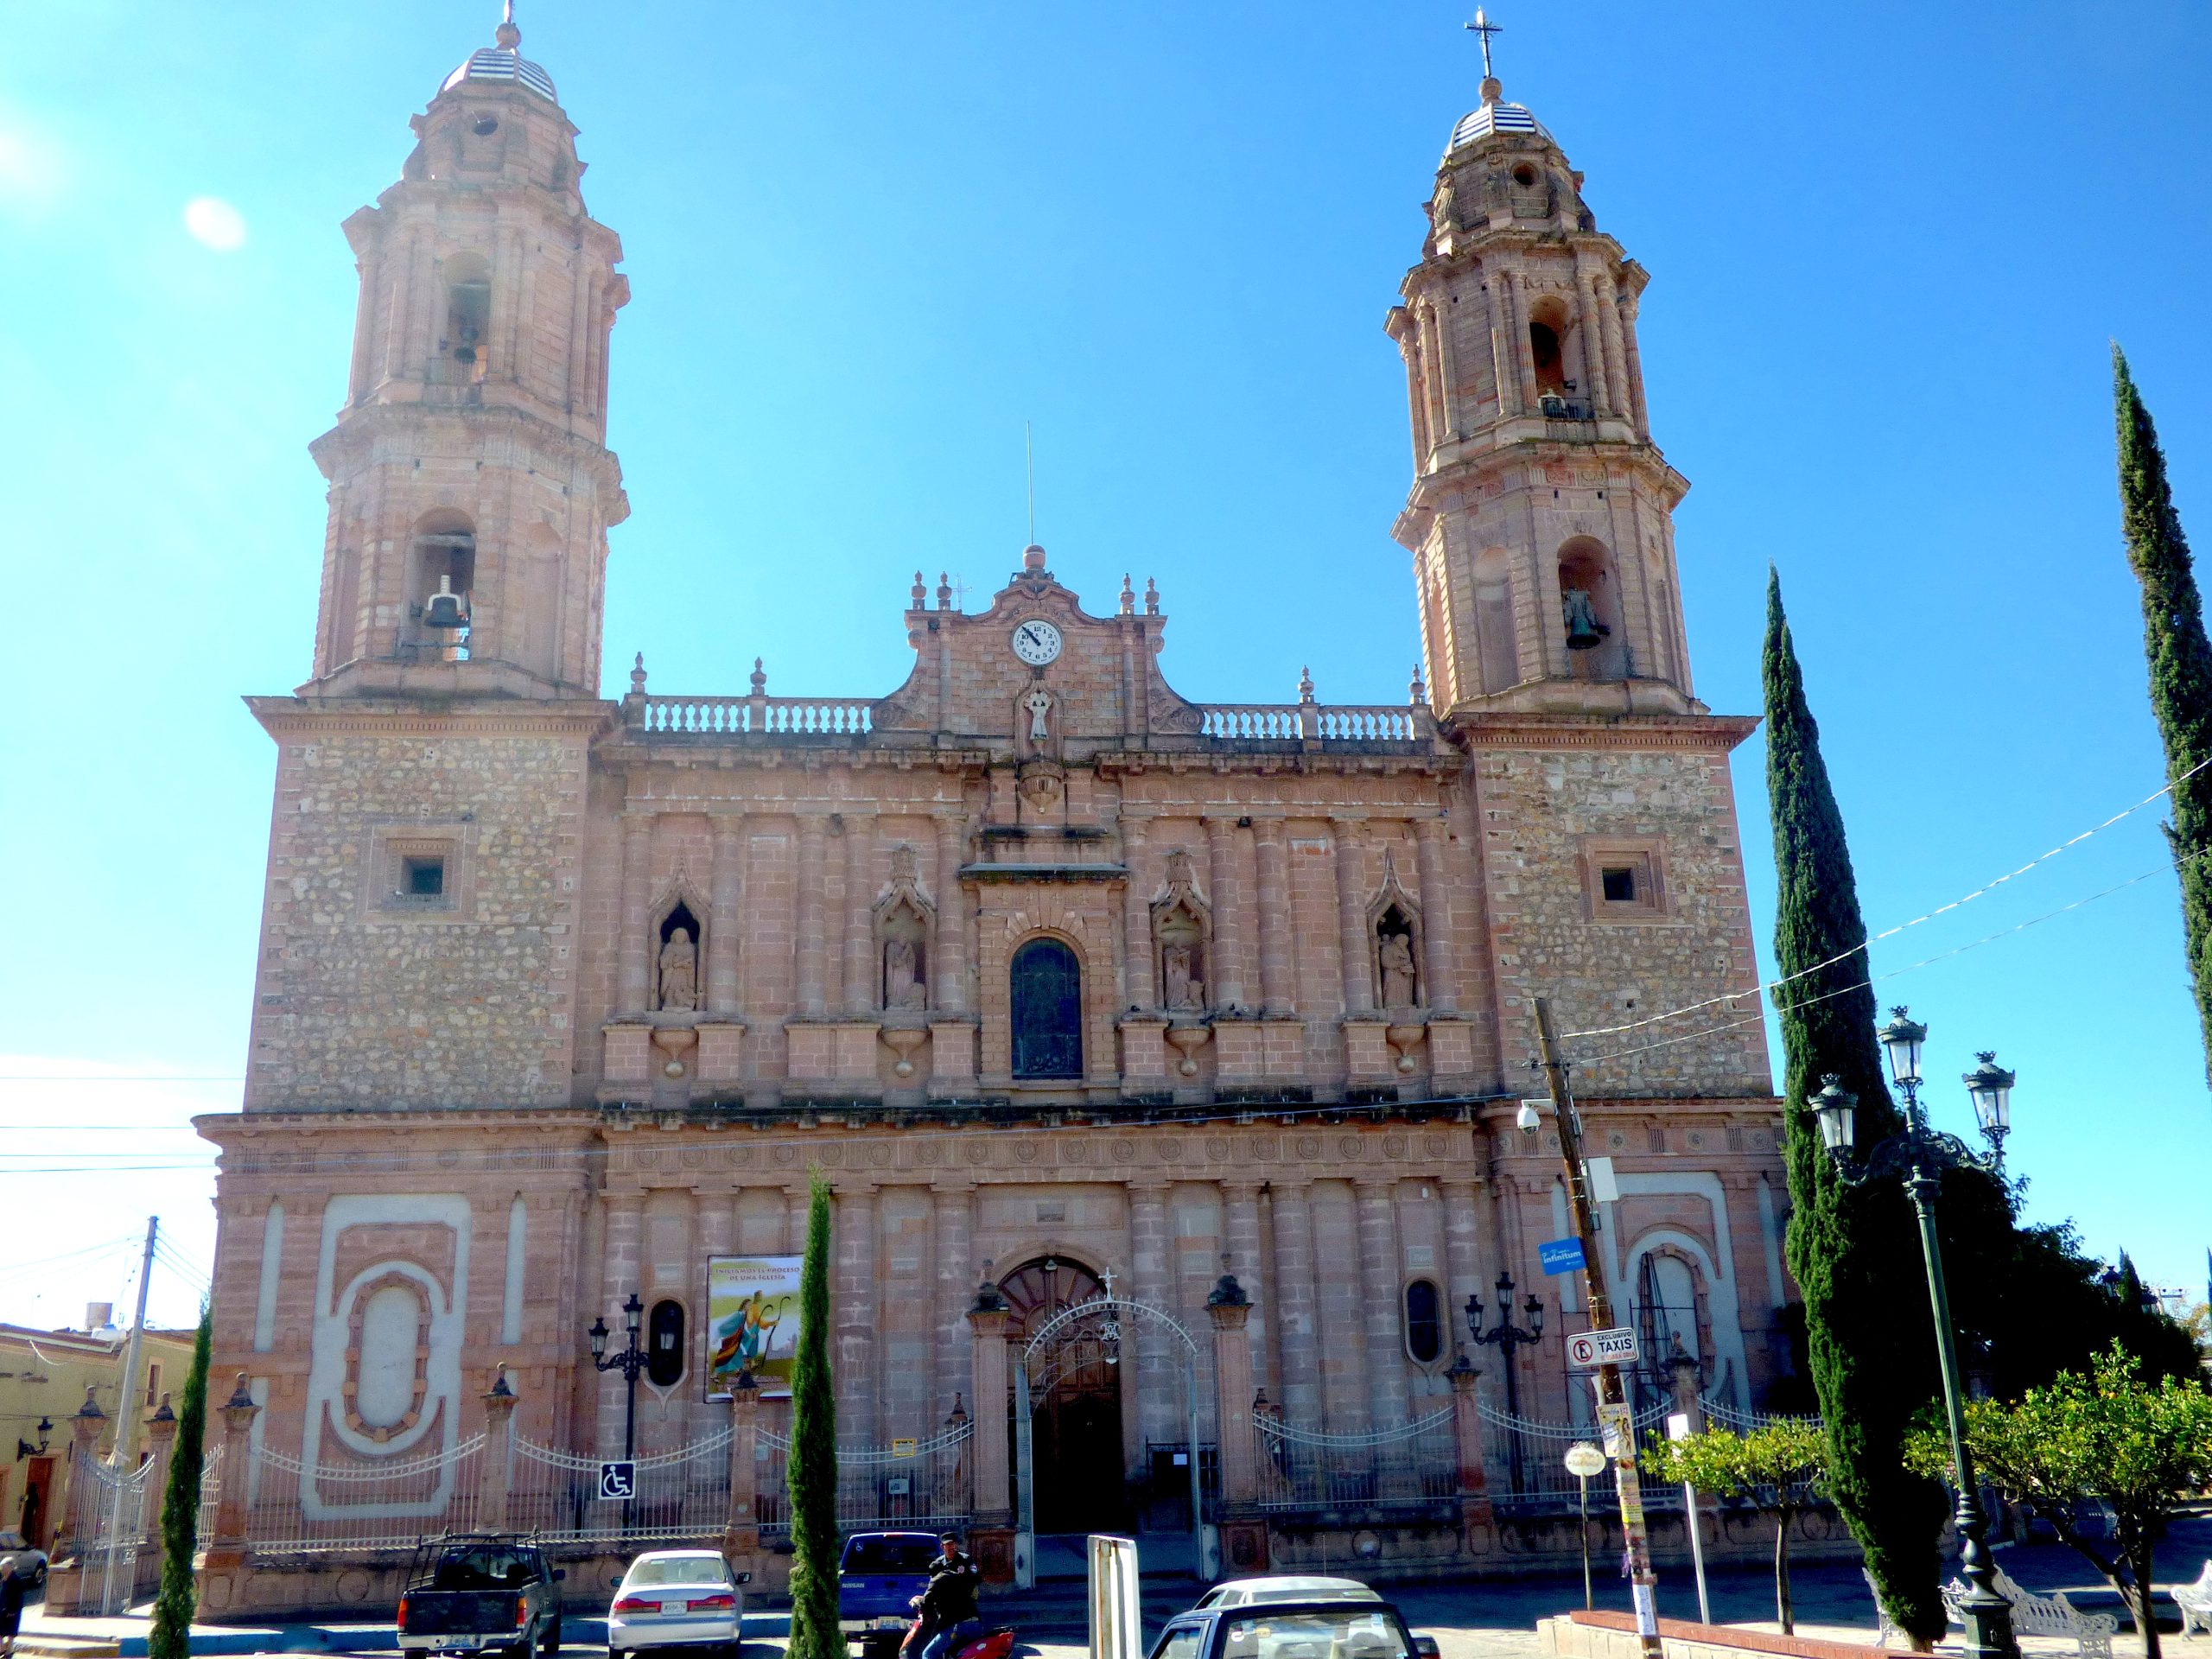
(1889, 244)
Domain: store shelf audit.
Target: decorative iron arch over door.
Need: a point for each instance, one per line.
(1046, 982)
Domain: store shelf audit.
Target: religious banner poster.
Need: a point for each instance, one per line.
(752, 1322)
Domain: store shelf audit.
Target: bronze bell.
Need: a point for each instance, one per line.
(1584, 631)
(447, 609)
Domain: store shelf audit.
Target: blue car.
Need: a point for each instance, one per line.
(878, 1578)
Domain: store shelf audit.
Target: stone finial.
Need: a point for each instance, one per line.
(1493, 89)
(507, 35)
(1306, 685)
(241, 1396)
(163, 1413)
(91, 1407)
(1227, 1293)
(1151, 597)
(1033, 559)
(759, 679)
(638, 676)
(499, 1390)
(1416, 693)
(921, 592)
(1128, 596)
(944, 590)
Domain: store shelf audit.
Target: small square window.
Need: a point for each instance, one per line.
(423, 876)
(1618, 882)
(1623, 880)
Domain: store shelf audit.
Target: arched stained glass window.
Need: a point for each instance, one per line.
(1047, 986)
(664, 1345)
(1424, 1323)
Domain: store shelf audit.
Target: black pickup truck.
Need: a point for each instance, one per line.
(480, 1592)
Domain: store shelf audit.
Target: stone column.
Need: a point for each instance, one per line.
(1682, 1381)
(1278, 973)
(1609, 325)
(1500, 365)
(1295, 1306)
(1447, 371)
(956, 1281)
(618, 1274)
(1227, 964)
(1595, 368)
(1149, 1250)
(1463, 1269)
(859, 932)
(1437, 972)
(1240, 1216)
(741, 1535)
(161, 1448)
(812, 881)
(238, 1413)
(85, 1427)
(1633, 358)
(635, 992)
(1229, 1309)
(1352, 916)
(1136, 918)
(1523, 357)
(854, 1313)
(993, 1507)
(1378, 1276)
(948, 972)
(494, 1479)
(726, 900)
(1468, 1438)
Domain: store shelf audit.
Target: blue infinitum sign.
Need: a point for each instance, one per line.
(1561, 1256)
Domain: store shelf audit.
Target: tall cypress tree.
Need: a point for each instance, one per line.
(1869, 1334)
(810, 1472)
(177, 1600)
(2181, 669)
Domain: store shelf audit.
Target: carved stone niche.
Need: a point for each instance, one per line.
(679, 954)
(1394, 937)
(1182, 940)
(904, 919)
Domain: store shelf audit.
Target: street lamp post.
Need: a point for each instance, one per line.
(1506, 1337)
(630, 1361)
(1920, 1154)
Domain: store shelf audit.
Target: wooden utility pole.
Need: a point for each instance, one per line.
(1613, 1413)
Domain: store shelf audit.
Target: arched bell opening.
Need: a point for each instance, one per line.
(441, 587)
(1590, 611)
(465, 330)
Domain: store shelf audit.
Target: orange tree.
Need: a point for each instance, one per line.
(1779, 1469)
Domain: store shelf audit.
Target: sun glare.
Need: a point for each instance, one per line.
(214, 222)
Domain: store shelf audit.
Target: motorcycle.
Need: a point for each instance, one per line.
(996, 1642)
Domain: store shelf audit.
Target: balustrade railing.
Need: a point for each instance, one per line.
(1292, 722)
(771, 716)
(302, 1508)
(1410, 1465)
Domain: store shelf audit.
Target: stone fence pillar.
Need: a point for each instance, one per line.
(161, 1451)
(495, 1479)
(741, 1534)
(992, 1533)
(228, 1546)
(1475, 1510)
(78, 1520)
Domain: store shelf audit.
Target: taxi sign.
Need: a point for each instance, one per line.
(1616, 1346)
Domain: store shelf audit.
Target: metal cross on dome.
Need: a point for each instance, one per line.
(1484, 29)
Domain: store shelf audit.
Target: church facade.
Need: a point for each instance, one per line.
(1061, 980)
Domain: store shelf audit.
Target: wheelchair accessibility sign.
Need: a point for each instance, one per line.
(618, 1479)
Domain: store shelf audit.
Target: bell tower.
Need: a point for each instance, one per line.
(1540, 518)
(471, 488)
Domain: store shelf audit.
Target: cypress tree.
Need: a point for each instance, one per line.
(177, 1600)
(2181, 670)
(810, 1472)
(1854, 1251)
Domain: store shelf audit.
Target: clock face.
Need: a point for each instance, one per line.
(1036, 643)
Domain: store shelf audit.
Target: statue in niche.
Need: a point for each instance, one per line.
(679, 972)
(1397, 962)
(1180, 964)
(1038, 704)
(1584, 629)
(902, 974)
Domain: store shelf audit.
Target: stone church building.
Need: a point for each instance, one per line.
(1061, 979)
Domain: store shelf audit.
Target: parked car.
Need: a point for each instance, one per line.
(480, 1592)
(678, 1599)
(30, 1564)
(1242, 1592)
(1311, 1629)
(878, 1578)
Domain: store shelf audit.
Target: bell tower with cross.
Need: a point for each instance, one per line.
(471, 489)
(1540, 518)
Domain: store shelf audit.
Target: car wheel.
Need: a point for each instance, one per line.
(551, 1644)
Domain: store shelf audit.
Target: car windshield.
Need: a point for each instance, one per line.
(1310, 1592)
(1310, 1633)
(893, 1555)
(677, 1569)
(480, 1569)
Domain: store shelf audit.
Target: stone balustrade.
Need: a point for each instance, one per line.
(772, 716)
(1293, 722)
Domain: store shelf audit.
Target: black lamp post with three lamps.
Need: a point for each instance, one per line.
(629, 1360)
(1506, 1337)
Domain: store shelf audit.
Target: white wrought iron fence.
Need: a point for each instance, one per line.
(676, 1495)
(211, 1495)
(1410, 1465)
(926, 1486)
(110, 1552)
(1727, 1416)
(302, 1508)
(1527, 1460)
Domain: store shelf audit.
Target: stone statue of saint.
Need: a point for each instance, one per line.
(1039, 702)
(1397, 970)
(902, 979)
(1584, 629)
(680, 971)
(1178, 964)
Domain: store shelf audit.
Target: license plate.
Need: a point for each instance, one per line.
(891, 1623)
(671, 1609)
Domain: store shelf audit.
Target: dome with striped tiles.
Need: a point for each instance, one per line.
(1495, 116)
(503, 63)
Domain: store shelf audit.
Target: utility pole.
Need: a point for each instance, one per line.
(1613, 1411)
(126, 1420)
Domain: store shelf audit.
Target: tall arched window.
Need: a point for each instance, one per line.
(1424, 1323)
(664, 1345)
(1047, 986)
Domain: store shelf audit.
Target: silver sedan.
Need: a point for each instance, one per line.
(678, 1599)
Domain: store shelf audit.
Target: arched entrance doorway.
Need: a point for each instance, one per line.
(1075, 1398)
